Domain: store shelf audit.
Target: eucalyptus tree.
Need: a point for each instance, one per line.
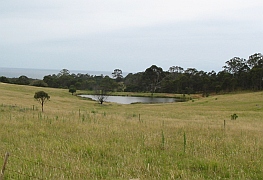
(152, 77)
(168, 84)
(176, 69)
(238, 68)
(234, 65)
(134, 82)
(64, 72)
(117, 74)
(192, 80)
(226, 81)
(255, 62)
(42, 97)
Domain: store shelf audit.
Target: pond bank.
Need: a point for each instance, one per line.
(155, 95)
(133, 99)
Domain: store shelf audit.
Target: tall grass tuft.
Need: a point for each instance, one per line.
(184, 142)
(163, 141)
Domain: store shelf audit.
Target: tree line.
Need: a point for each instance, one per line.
(237, 74)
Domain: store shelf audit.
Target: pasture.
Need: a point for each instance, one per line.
(75, 138)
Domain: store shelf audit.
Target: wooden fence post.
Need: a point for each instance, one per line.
(3, 168)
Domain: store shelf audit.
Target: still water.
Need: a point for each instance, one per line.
(130, 100)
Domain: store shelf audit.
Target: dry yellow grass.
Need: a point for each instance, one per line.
(79, 139)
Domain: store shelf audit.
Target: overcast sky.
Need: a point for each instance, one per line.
(132, 35)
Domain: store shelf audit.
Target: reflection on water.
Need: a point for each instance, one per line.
(130, 100)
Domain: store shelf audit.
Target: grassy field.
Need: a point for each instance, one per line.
(75, 138)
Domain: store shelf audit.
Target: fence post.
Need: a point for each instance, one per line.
(3, 168)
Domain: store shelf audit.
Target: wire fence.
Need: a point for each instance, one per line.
(19, 167)
(42, 170)
(31, 166)
(48, 151)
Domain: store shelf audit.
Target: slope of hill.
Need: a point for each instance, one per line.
(75, 138)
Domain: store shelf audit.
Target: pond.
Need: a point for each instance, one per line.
(130, 100)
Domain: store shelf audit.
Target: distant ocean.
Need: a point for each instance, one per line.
(40, 73)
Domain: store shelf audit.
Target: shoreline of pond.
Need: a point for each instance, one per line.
(135, 99)
(155, 95)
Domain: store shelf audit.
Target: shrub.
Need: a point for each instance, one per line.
(234, 116)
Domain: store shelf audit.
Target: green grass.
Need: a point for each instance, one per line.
(77, 138)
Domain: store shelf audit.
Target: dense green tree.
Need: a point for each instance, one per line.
(84, 81)
(237, 67)
(78, 85)
(227, 81)
(4, 79)
(23, 80)
(191, 74)
(65, 81)
(214, 85)
(237, 74)
(133, 82)
(255, 62)
(168, 84)
(152, 78)
(107, 84)
(39, 83)
(256, 78)
(234, 65)
(51, 80)
(62, 80)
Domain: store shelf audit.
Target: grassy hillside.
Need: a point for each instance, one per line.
(75, 138)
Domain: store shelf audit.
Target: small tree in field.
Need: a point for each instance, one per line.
(42, 97)
(101, 96)
(72, 89)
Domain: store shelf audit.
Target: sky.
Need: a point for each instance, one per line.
(131, 35)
